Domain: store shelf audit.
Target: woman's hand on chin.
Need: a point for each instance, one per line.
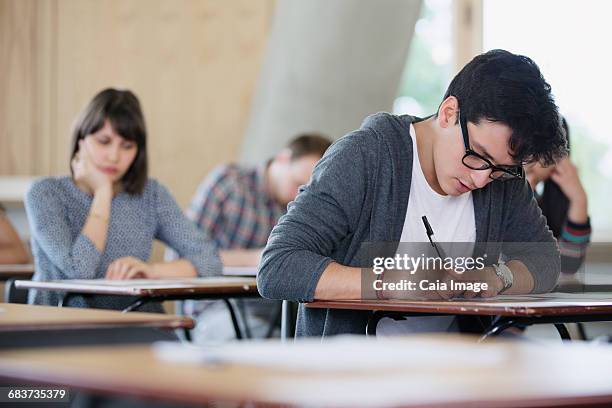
(86, 174)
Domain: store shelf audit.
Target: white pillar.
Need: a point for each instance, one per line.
(328, 65)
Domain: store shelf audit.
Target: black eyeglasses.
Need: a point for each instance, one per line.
(474, 161)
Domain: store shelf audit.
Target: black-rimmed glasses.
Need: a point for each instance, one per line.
(474, 161)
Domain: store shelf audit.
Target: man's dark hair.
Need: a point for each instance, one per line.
(308, 144)
(499, 86)
(122, 109)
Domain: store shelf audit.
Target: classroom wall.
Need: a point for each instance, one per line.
(193, 64)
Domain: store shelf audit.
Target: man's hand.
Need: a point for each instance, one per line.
(432, 276)
(485, 275)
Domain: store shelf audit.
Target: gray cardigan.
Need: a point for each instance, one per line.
(359, 193)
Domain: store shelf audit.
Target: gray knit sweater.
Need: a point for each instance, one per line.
(57, 211)
(359, 193)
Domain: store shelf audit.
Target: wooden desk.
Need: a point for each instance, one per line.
(16, 271)
(150, 290)
(155, 290)
(501, 375)
(509, 311)
(27, 326)
(18, 317)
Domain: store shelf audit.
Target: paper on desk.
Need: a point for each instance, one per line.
(554, 299)
(240, 271)
(341, 353)
(158, 283)
(584, 296)
(567, 295)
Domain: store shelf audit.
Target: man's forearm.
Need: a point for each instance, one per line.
(339, 282)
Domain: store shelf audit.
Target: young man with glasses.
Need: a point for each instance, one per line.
(461, 168)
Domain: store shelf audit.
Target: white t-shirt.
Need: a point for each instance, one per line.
(452, 220)
(450, 217)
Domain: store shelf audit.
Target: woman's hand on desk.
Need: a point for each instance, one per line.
(129, 268)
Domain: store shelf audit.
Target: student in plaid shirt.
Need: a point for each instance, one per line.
(237, 207)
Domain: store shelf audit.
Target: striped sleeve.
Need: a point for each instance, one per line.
(573, 243)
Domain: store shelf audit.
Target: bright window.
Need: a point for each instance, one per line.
(429, 67)
(569, 40)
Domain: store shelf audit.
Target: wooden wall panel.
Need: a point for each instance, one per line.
(27, 86)
(17, 63)
(193, 64)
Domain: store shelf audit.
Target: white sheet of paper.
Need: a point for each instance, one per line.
(157, 283)
(240, 271)
(586, 296)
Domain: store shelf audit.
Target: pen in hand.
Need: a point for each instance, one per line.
(430, 232)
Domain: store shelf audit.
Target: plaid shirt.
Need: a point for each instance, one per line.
(234, 209)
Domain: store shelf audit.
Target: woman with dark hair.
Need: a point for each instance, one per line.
(101, 221)
(564, 204)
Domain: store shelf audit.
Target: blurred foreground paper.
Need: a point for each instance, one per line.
(341, 353)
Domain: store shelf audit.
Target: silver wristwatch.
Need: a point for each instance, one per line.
(505, 274)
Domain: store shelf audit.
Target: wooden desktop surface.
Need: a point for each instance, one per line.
(502, 375)
(19, 317)
(17, 271)
(549, 304)
(147, 287)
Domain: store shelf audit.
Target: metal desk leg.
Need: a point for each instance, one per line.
(498, 325)
(373, 322)
(286, 321)
(64, 299)
(180, 307)
(234, 319)
(563, 332)
(582, 331)
(11, 293)
(244, 317)
(136, 304)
